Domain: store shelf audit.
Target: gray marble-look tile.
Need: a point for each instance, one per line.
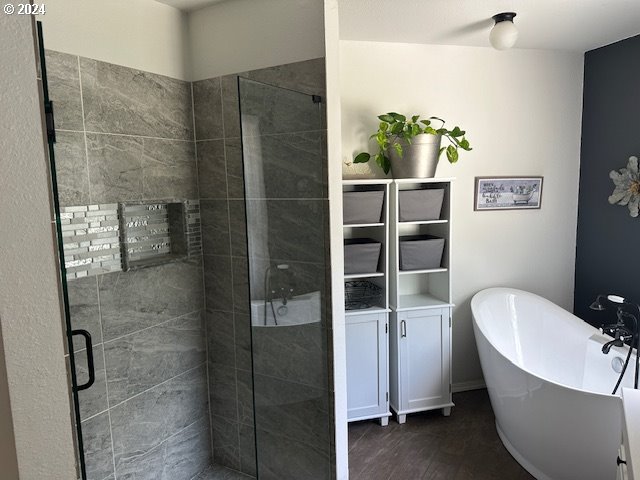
(226, 448)
(211, 169)
(71, 169)
(219, 472)
(207, 108)
(288, 165)
(214, 216)
(220, 339)
(244, 380)
(223, 395)
(93, 400)
(145, 421)
(217, 279)
(265, 110)
(180, 457)
(235, 170)
(307, 76)
(169, 169)
(115, 167)
(242, 335)
(64, 90)
(124, 100)
(98, 454)
(143, 359)
(84, 309)
(291, 230)
(283, 458)
(230, 106)
(131, 301)
(296, 353)
(240, 285)
(238, 228)
(248, 450)
(300, 412)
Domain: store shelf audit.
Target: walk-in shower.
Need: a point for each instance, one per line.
(184, 209)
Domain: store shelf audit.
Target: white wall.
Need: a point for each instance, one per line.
(142, 34)
(240, 35)
(334, 159)
(30, 308)
(522, 112)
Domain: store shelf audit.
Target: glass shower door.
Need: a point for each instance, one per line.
(284, 160)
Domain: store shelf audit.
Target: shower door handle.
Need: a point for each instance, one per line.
(90, 366)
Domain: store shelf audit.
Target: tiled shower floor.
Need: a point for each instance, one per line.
(217, 472)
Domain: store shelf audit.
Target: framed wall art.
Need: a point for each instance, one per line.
(508, 193)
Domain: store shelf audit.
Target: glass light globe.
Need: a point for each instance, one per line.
(503, 35)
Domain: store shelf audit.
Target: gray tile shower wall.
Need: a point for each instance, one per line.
(292, 407)
(127, 135)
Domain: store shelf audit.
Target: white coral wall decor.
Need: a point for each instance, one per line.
(627, 182)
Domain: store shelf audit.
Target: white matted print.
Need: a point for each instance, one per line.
(508, 193)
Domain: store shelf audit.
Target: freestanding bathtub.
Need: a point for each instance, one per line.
(550, 385)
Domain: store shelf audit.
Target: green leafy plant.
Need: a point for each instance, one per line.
(394, 128)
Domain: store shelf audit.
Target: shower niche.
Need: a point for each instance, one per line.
(153, 233)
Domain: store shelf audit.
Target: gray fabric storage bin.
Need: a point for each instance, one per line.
(420, 252)
(423, 204)
(362, 207)
(361, 255)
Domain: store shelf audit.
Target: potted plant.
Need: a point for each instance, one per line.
(410, 148)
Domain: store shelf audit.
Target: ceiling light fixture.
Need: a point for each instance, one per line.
(504, 33)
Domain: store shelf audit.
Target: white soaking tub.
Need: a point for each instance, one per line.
(550, 385)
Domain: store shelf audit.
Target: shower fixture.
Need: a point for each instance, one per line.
(285, 293)
(619, 331)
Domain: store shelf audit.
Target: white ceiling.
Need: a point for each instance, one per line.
(188, 5)
(576, 25)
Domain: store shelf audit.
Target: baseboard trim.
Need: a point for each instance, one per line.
(466, 386)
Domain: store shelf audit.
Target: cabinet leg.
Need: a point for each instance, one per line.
(402, 419)
(446, 411)
(384, 421)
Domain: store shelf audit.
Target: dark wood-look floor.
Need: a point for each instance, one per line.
(430, 446)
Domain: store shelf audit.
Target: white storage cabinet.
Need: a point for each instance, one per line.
(420, 318)
(367, 330)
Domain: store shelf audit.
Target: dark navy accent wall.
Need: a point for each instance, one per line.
(608, 239)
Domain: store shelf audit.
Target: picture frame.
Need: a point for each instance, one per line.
(508, 193)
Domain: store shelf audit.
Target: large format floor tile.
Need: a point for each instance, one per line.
(429, 446)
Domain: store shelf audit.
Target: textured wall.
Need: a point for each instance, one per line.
(125, 135)
(606, 261)
(522, 114)
(29, 296)
(293, 168)
(264, 33)
(142, 34)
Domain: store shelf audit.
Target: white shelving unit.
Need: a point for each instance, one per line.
(367, 329)
(420, 317)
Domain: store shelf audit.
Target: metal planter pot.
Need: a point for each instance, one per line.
(419, 159)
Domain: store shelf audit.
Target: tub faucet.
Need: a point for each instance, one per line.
(616, 342)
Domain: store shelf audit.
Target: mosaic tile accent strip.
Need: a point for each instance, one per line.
(193, 228)
(160, 232)
(90, 239)
(145, 231)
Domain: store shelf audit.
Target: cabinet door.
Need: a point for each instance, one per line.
(367, 383)
(424, 358)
